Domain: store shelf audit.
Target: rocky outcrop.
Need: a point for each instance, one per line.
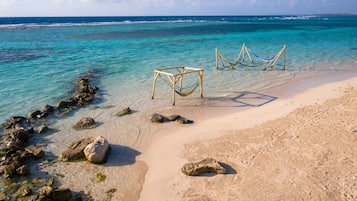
(75, 151)
(205, 166)
(84, 93)
(158, 118)
(85, 123)
(16, 155)
(97, 151)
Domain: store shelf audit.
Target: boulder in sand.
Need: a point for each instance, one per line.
(85, 123)
(97, 151)
(205, 166)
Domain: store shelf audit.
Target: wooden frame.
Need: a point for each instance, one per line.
(245, 51)
(176, 74)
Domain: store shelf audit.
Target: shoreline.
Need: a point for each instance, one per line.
(158, 146)
(164, 156)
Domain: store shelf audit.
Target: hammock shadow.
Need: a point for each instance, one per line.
(242, 99)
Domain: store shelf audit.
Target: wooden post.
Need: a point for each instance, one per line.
(173, 90)
(216, 58)
(200, 78)
(284, 56)
(156, 74)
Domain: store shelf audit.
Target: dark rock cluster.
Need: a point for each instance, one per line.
(16, 151)
(84, 93)
(158, 118)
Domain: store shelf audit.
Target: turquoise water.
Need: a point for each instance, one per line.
(40, 58)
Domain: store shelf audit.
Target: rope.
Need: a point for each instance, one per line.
(261, 58)
(184, 94)
(179, 91)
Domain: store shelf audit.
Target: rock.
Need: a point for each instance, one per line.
(34, 115)
(99, 177)
(3, 196)
(85, 123)
(9, 170)
(17, 122)
(65, 104)
(173, 117)
(12, 161)
(183, 120)
(205, 166)
(23, 170)
(38, 153)
(61, 194)
(20, 134)
(75, 150)
(158, 118)
(41, 129)
(46, 191)
(97, 151)
(48, 109)
(24, 190)
(123, 112)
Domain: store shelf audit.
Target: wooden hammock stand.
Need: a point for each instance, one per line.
(270, 62)
(175, 75)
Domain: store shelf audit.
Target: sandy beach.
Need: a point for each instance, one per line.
(300, 146)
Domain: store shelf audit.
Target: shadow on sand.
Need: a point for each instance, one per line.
(121, 155)
(233, 99)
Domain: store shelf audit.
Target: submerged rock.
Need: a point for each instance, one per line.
(41, 129)
(123, 112)
(97, 151)
(36, 152)
(85, 123)
(23, 170)
(61, 194)
(205, 166)
(17, 122)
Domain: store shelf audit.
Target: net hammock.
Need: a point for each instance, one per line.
(174, 77)
(246, 52)
(180, 90)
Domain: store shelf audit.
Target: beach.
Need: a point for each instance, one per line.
(300, 147)
(259, 123)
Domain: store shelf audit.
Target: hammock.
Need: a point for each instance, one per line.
(175, 75)
(179, 90)
(270, 62)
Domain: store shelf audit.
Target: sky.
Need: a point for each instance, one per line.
(13, 8)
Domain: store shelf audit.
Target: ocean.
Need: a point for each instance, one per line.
(42, 57)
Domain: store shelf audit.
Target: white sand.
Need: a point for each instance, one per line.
(186, 143)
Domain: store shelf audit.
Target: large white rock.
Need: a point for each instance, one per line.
(97, 151)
